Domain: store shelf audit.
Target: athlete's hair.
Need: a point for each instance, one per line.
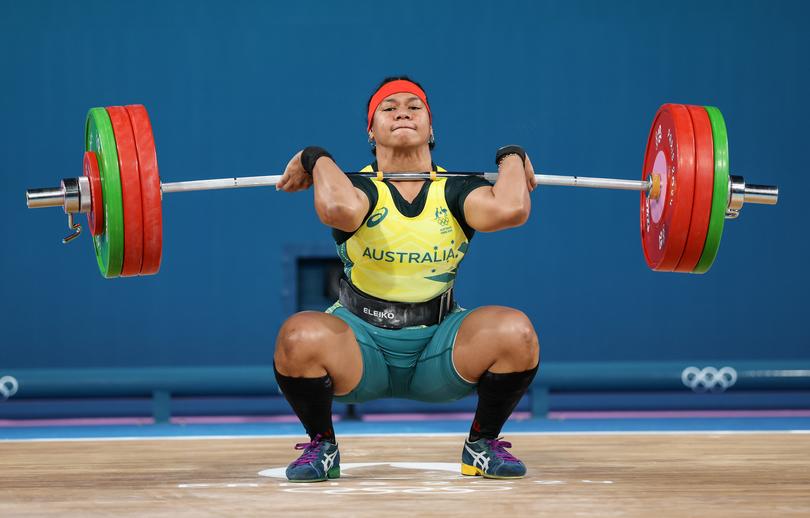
(383, 83)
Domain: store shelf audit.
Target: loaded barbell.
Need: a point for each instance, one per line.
(686, 189)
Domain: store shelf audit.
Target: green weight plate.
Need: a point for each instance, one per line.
(720, 193)
(109, 245)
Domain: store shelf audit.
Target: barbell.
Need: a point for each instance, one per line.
(686, 189)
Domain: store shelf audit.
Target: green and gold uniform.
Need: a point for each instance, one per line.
(407, 252)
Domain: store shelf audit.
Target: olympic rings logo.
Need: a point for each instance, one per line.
(709, 379)
(8, 386)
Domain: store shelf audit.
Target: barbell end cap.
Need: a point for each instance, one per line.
(655, 186)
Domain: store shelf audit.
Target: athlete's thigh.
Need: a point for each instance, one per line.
(373, 381)
(312, 344)
(435, 377)
(494, 338)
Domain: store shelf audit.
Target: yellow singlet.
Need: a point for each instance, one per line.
(405, 259)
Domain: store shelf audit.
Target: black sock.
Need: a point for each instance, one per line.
(498, 395)
(311, 400)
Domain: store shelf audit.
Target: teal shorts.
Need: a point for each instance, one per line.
(410, 363)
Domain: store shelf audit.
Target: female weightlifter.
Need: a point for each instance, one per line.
(396, 330)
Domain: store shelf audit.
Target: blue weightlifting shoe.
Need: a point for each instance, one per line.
(489, 458)
(320, 461)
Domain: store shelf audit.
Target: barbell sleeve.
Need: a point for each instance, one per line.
(46, 197)
(762, 194)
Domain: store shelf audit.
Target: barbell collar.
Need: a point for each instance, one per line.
(736, 193)
(70, 188)
(85, 196)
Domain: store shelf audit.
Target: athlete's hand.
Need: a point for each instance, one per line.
(528, 169)
(531, 182)
(517, 152)
(295, 178)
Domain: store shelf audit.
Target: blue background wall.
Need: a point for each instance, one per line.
(236, 88)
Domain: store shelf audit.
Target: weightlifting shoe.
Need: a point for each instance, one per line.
(320, 461)
(489, 458)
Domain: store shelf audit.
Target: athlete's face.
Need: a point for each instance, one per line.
(401, 121)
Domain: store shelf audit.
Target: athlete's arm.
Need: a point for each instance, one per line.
(505, 204)
(338, 203)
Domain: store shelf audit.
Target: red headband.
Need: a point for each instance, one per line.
(395, 87)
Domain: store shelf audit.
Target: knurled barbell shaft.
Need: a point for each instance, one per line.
(542, 179)
(761, 194)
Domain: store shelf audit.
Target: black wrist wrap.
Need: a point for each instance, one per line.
(510, 150)
(310, 155)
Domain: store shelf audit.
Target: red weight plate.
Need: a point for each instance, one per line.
(150, 189)
(704, 187)
(671, 155)
(130, 191)
(95, 218)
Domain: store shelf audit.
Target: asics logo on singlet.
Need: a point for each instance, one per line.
(377, 217)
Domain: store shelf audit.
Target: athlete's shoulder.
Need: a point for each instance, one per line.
(456, 191)
(362, 182)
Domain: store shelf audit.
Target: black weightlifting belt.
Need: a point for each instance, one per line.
(395, 315)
